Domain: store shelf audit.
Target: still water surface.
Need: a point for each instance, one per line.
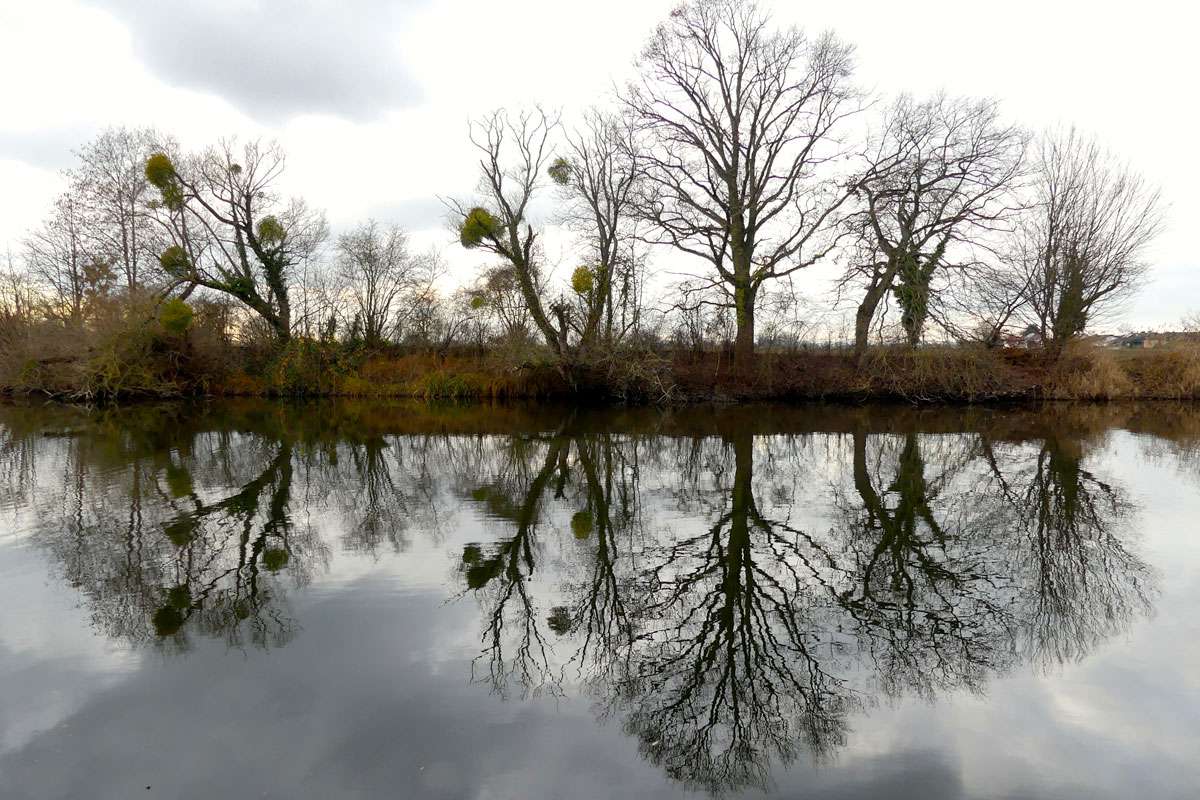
(255, 599)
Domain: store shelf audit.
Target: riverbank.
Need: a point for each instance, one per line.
(934, 374)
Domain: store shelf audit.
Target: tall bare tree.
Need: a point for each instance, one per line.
(1081, 248)
(937, 181)
(110, 182)
(738, 121)
(514, 151)
(231, 231)
(599, 176)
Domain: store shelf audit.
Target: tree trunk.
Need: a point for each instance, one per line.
(743, 348)
(283, 327)
(914, 326)
(881, 283)
(862, 320)
(865, 314)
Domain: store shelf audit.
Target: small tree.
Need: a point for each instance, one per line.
(496, 296)
(230, 231)
(1080, 249)
(378, 270)
(57, 257)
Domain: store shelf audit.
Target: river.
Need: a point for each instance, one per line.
(357, 599)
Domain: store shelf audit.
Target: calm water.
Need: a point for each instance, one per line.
(360, 600)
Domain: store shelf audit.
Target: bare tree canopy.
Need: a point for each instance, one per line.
(938, 179)
(231, 231)
(377, 267)
(1080, 250)
(115, 197)
(514, 151)
(599, 177)
(736, 120)
(56, 256)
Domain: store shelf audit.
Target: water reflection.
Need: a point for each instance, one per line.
(728, 586)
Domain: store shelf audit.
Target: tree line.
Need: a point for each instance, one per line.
(743, 149)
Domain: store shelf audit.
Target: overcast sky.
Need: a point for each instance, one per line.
(371, 98)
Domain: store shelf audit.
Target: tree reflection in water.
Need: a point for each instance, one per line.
(729, 645)
(728, 591)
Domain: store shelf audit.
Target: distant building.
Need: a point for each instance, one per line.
(1137, 341)
(1029, 338)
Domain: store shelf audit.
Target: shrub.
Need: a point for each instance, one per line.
(175, 316)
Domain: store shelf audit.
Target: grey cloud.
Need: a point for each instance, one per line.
(48, 149)
(275, 60)
(413, 214)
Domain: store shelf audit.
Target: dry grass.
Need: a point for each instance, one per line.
(418, 375)
(1164, 374)
(1091, 373)
(124, 359)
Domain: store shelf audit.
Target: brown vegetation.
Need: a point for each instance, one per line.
(148, 363)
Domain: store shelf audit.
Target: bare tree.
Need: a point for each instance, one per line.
(231, 231)
(937, 180)
(56, 256)
(18, 302)
(599, 177)
(497, 295)
(114, 197)
(1080, 250)
(513, 153)
(378, 269)
(738, 120)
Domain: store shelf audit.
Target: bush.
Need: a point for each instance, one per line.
(175, 316)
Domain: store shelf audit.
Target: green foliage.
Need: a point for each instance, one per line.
(181, 531)
(559, 620)
(560, 171)
(162, 175)
(478, 302)
(175, 316)
(179, 480)
(479, 224)
(912, 288)
(446, 386)
(480, 568)
(167, 621)
(159, 169)
(583, 280)
(275, 559)
(308, 367)
(271, 232)
(179, 596)
(581, 524)
(174, 261)
(240, 286)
